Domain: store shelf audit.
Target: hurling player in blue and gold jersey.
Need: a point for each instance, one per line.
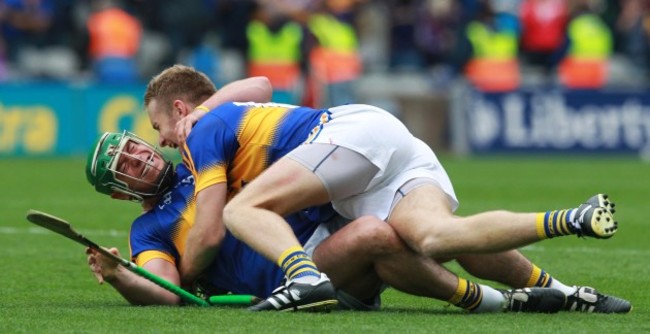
(360, 257)
(157, 237)
(362, 160)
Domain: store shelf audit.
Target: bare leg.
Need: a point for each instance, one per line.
(255, 215)
(510, 268)
(367, 252)
(425, 221)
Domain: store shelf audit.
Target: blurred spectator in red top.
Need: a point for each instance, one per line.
(543, 25)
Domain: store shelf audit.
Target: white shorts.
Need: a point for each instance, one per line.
(386, 143)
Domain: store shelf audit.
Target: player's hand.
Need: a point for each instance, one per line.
(185, 124)
(103, 269)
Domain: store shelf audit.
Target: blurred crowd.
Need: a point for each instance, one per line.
(313, 49)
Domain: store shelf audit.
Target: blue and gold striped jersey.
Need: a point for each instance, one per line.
(235, 142)
(162, 231)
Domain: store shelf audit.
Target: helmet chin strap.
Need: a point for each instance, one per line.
(132, 196)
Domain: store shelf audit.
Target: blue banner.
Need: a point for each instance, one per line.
(64, 119)
(558, 121)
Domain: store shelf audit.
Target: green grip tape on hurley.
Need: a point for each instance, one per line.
(241, 300)
(169, 286)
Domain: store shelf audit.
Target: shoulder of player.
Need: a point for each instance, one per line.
(158, 222)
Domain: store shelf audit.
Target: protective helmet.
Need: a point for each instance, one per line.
(102, 167)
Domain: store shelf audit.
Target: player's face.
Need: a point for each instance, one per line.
(164, 122)
(139, 166)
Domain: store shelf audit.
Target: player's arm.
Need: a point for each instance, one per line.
(207, 233)
(135, 289)
(253, 89)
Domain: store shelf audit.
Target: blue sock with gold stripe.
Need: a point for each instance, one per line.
(539, 278)
(297, 265)
(542, 279)
(555, 223)
(468, 295)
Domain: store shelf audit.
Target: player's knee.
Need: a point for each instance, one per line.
(377, 234)
(426, 232)
(230, 211)
(424, 244)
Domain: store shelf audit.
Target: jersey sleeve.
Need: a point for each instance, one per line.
(209, 150)
(147, 242)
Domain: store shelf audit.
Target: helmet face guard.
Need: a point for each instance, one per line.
(106, 172)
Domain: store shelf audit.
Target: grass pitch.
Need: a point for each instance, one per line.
(45, 285)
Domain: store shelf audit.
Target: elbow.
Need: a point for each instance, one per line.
(230, 214)
(262, 81)
(265, 88)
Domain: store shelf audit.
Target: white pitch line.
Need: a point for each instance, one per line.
(36, 230)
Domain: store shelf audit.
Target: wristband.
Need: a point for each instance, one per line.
(202, 107)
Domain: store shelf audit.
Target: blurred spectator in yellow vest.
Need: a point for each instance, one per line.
(334, 60)
(275, 50)
(113, 42)
(589, 46)
(493, 65)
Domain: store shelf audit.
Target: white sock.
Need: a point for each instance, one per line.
(308, 279)
(493, 300)
(567, 290)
